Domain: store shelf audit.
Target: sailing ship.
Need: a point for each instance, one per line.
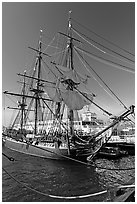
(54, 106)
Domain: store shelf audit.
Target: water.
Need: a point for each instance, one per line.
(64, 178)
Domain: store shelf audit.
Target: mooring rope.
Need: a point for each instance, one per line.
(9, 158)
(63, 197)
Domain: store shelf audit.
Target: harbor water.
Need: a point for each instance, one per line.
(61, 178)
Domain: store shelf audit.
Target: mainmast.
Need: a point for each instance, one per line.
(70, 41)
(70, 49)
(22, 105)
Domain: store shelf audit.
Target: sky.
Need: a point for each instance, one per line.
(115, 21)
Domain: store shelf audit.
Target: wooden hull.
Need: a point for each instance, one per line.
(46, 151)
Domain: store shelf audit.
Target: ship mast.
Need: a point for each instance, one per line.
(70, 49)
(38, 83)
(22, 105)
(37, 91)
(68, 62)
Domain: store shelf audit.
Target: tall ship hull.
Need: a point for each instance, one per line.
(47, 150)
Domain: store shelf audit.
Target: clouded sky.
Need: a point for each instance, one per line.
(115, 22)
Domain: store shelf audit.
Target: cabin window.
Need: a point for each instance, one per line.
(86, 123)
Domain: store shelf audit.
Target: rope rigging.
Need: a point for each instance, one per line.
(49, 44)
(103, 38)
(77, 136)
(63, 124)
(112, 92)
(80, 34)
(82, 59)
(108, 62)
(78, 91)
(99, 77)
(102, 80)
(25, 142)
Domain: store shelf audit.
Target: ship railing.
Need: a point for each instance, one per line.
(123, 138)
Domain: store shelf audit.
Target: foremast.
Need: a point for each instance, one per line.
(38, 85)
(37, 91)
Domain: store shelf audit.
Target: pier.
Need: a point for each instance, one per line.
(129, 147)
(125, 193)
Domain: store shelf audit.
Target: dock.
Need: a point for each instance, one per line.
(125, 193)
(128, 196)
(129, 147)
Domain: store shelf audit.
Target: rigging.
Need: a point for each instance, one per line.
(103, 37)
(109, 62)
(77, 32)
